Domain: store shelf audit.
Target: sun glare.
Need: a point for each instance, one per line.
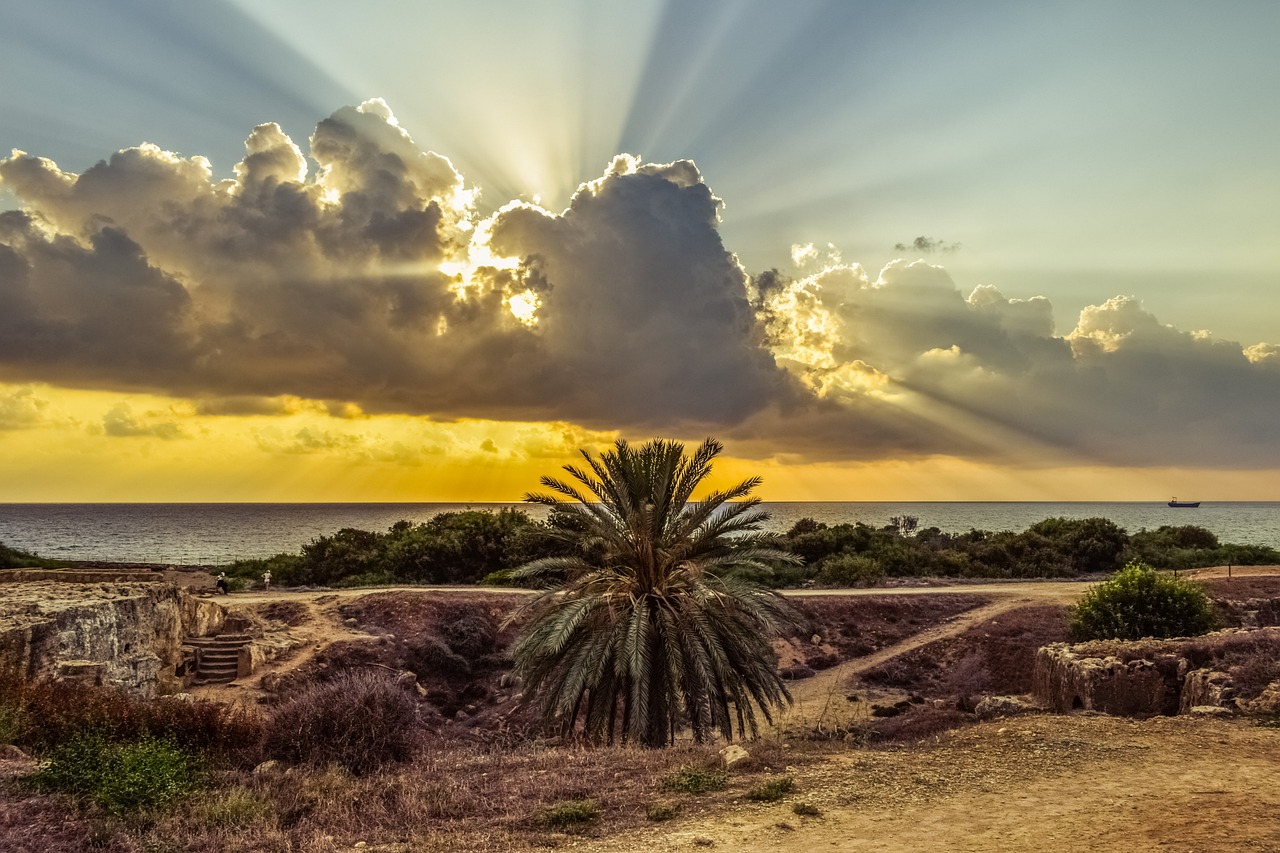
(524, 306)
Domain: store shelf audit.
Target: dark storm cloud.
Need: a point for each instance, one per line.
(367, 281)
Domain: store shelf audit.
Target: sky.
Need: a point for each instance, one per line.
(311, 251)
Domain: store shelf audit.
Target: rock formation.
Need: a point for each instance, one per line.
(1150, 677)
(128, 635)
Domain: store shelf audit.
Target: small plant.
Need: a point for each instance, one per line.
(806, 810)
(11, 721)
(696, 780)
(660, 810)
(1138, 602)
(772, 790)
(570, 815)
(235, 808)
(121, 778)
(361, 721)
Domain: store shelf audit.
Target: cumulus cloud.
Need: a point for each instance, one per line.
(23, 408)
(358, 278)
(121, 422)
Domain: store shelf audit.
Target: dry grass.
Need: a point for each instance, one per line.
(454, 796)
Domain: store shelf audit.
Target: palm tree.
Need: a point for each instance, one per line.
(645, 627)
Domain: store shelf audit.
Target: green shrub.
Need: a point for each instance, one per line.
(359, 720)
(660, 810)
(570, 815)
(1139, 601)
(772, 790)
(1088, 544)
(696, 780)
(120, 777)
(850, 570)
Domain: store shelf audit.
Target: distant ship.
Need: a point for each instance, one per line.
(1176, 502)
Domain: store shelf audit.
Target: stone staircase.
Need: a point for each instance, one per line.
(218, 658)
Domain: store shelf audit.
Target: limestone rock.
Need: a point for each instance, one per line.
(1206, 687)
(1002, 706)
(1267, 704)
(733, 756)
(124, 635)
(1066, 680)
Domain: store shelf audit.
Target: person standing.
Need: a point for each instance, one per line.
(266, 580)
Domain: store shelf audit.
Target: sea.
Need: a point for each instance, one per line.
(212, 534)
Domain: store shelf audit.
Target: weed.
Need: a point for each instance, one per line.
(772, 790)
(11, 723)
(806, 810)
(234, 808)
(660, 810)
(570, 815)
(696, 780)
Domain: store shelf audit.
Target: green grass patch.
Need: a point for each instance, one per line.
(772, 790)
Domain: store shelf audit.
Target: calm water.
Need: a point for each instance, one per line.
(219, 533)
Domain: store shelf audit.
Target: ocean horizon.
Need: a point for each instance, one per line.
(217, 533)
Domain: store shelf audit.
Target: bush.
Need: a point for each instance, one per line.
(41, 715)
(470, 636)
(1087, 544)
(359, 720)
(1138, 602)
(428, 655)
(850, 570)
(135, 776)
(696, 780)
(570, 815)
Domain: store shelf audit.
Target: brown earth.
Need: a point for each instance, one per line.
(1030, 783)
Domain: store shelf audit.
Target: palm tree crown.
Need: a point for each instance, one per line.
(645, 628)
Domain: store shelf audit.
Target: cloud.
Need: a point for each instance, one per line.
(367, 282)
(22, 408)
(120, 422)
(926, 246)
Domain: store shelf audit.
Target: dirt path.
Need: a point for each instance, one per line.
(819, 702)
(1036, 783)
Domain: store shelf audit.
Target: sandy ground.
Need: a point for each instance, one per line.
(1037, 783)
